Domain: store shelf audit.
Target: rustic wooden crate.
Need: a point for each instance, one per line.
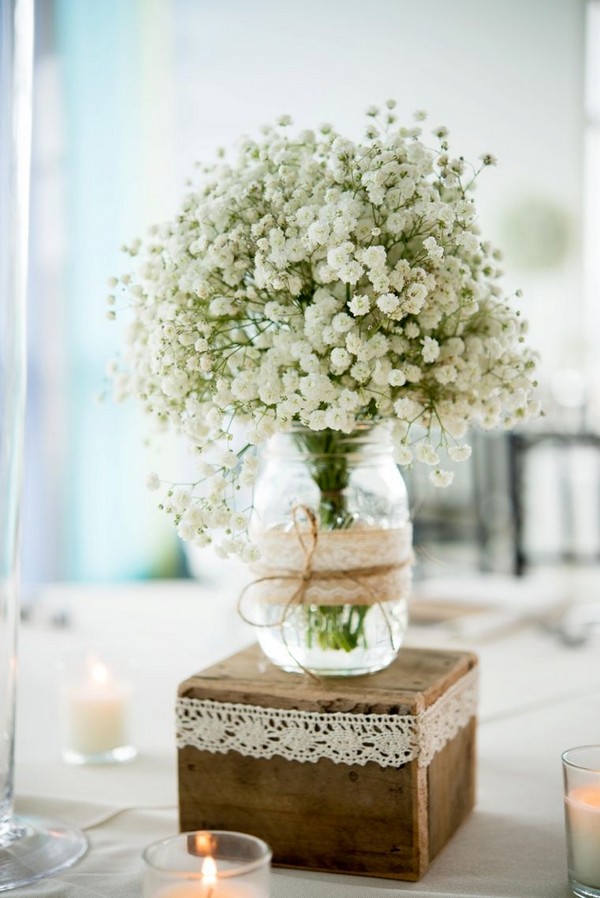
(369, 820)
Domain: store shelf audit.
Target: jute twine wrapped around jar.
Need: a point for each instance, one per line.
(309, 566)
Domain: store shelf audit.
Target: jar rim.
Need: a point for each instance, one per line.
(368, 440)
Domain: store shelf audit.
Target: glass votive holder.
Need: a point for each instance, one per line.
(207, 864)
(581, 771)
(95, 698)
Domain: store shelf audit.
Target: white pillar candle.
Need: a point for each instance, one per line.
(95, 709)
(583, 829)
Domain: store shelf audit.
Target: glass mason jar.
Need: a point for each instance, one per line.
(331, 520)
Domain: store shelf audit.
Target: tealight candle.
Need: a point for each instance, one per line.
(582, 819)
(207, 864)
(95, 715)
(199, 890)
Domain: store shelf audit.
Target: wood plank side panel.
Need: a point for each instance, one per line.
(451, 779)
(323, 816)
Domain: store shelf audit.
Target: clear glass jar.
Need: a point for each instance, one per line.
(331, 520)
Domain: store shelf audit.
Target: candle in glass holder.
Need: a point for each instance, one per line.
(583, 814)
(95, 714)
(582, 819)
(207, 864)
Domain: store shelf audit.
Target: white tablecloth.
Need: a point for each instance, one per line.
(538, 697)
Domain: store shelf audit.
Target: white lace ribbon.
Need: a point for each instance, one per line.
(390, 740)
(367, 566)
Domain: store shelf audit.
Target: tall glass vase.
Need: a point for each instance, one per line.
(30, 848)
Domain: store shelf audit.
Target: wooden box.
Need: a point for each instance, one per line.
(310, 766)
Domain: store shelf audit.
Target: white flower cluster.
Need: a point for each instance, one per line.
(324, 282)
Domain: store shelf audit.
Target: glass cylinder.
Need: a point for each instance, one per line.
(30, 847)
(581, 771)
(207, 864)
(16, 36)
(331, 521)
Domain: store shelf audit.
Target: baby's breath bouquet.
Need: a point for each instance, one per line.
(327, 283)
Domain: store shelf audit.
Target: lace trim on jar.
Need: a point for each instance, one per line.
(346, 567)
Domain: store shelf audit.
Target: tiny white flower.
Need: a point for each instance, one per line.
(338, 419)
(396, 377)
(340, 359)
(459, 453)
(426, 454)
(415, 298)
(434, 250)
(374, 257)
(250, 554)
(342, 323)
(406, 408)
(180, 500)
(388, 303)
(413, 374)
(228, 459)
(238, 521)
(359, 305)
(468, 241)
(349, 400)
(361, 372)
(441, 479)
(445, 374)
(403, 455)
(351, 272)
(489, 159)
(153, 481)
(431, 349)
(317, 420)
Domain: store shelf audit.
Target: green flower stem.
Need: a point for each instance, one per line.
(332, 627)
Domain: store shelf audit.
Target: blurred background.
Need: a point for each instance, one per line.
(130, 93)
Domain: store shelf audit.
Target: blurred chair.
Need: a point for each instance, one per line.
(554, 488)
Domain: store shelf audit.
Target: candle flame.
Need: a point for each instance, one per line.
(98, 671)
(209, 871)
(203, 843)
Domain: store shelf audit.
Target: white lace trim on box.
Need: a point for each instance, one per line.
(390, 740)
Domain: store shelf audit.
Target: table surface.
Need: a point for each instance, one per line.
(538, 697)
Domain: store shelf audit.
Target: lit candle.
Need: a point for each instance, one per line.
(219, 890)
(207, 864)
(209, 886)
(583, 827)
(95, 710)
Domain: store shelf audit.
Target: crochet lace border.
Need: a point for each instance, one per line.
(389, 740)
